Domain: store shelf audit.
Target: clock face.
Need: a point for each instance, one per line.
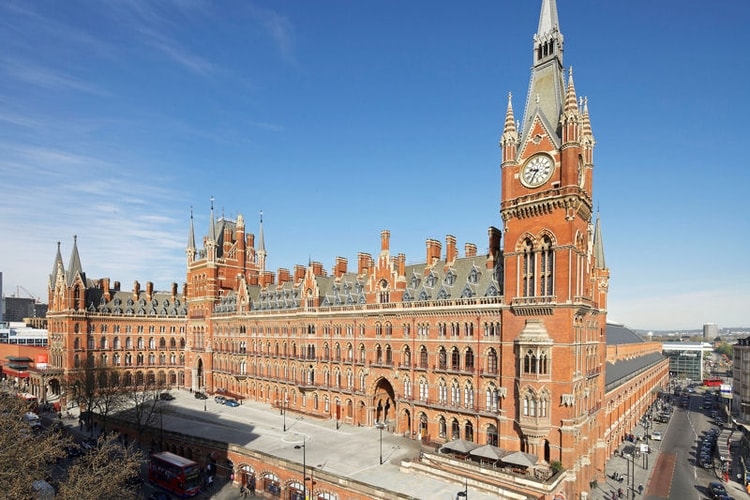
(537, 171)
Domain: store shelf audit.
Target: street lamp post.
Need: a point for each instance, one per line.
(161, 429)
(465, 493)
(284, 406)
(304, 467)
(380, 425)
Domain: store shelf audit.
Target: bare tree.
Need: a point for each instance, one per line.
(111, 470)
(26, 454)
(142, 400)
(96, 388)
(111, 396)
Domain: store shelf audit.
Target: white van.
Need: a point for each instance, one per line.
(33, 420)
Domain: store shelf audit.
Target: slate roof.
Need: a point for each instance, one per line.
(121, 303)
(620, 334)
(623, 370)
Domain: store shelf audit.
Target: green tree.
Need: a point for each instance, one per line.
(725, 348)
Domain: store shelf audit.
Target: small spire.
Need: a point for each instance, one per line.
(587, 132)
(74, 266)
(571, 101)
(261, 246)
(598, 243)
(212, 224)
(56, 267)
(191, 234)
(510, 132)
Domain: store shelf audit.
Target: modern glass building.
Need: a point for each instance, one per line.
(685, 359)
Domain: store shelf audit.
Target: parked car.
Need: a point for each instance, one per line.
(165, 396)
(716, 489)
(656, 436)
(220, 399)
(200, 395)
(231, 402)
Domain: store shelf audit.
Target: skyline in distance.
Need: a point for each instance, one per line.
(340, 120)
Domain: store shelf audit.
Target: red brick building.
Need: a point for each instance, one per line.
(507, 347)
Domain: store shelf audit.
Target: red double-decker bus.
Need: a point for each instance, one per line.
(177, 474)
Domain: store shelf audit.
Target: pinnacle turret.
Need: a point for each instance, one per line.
(74, 266)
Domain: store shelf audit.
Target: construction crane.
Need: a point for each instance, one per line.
(18, 294)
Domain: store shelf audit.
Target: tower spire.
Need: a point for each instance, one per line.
(509, 139)
(547, 86)
(74, 266)
(191, 238)
(211, 242)
(57, 267)
(599, 244)
(261, 246)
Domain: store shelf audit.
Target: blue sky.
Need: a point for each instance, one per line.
(339, 119)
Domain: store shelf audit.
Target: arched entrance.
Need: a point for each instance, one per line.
(199, 381)
(384, 402)
(406, 422)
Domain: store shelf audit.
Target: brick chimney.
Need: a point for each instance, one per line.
(299, 273)
(401, 264)
(136, 290)
(105, 288)
(317, 268)
(470, 249)
(149, 291)
(267, 279)
(174, 292)
(339, 269)
(116, 286)
(284, 275)
(364, 263)
(450, 250)
(494, 235)
(433, 252)
(385, 240)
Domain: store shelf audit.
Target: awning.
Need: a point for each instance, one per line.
(459, 446)
(520, 458)
(488, 452)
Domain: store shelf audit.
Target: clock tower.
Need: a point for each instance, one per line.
(555, 279)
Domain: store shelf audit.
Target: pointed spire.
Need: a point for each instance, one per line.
(57, 267)
(571, 101)
(547, 85)
(74, 266)
(509, 139)
(509, 131)
(599, 244)
(587, 121)
(191, 234)
(261, 246)
(212, 224)
(548, 17)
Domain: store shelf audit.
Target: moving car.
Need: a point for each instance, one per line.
(200, 395)
(165, 396)
(231, 402)
(656, 436)
(220, 399)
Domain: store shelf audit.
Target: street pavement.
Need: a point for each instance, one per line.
(345, 450)
(655, 475)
